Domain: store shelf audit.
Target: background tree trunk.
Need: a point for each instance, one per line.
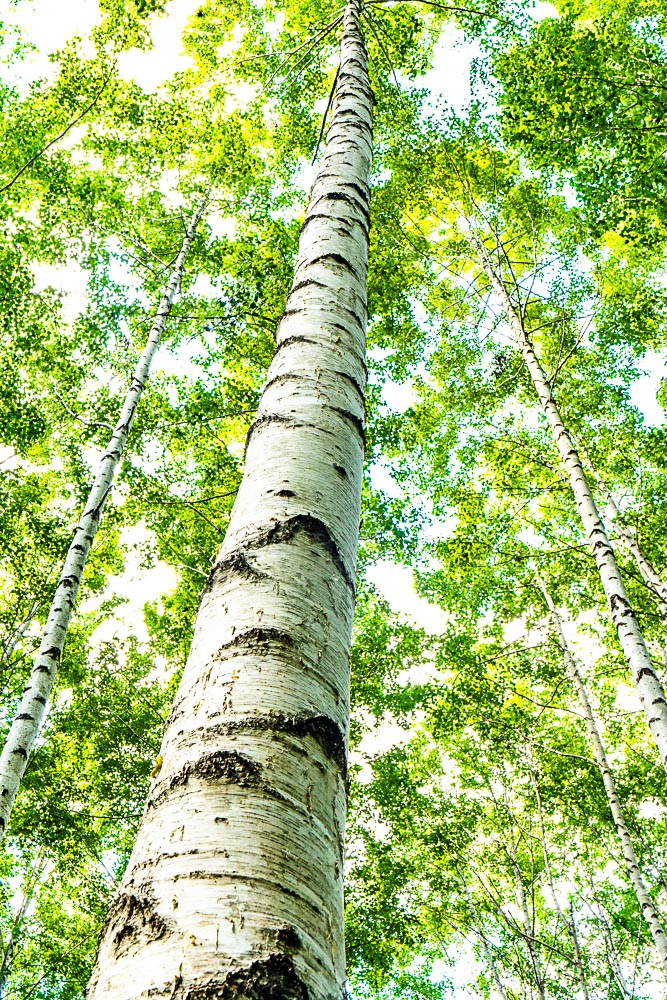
(647, 682)
(648, 910)
(235, 885)
(32, 707)
(649, 574)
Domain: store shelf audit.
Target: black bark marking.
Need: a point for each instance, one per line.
(341, 471)
(272, 978)
(237, 564)
(335, 258)
(284, 531)
(133, 919)
(355, 385)
(25, 716)
(285, 493)
(279, 418)
(354, 420)
(341, 196)
(306, 283)
(54, 653)
(288, 939)
(295, 338)
(221, 765)
(252, 638)
(326, 733)
(315, 529)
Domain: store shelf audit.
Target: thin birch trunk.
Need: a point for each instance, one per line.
(581, 971)
(529, 934)
(567, 922)
(482, 937)
(612, 954)
(647, 908)
(649, 574)
(648, 684)
(234, 887)
(32, 708)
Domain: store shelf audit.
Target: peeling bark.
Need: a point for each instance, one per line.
(647, 908)
(32, 708)
(648, 684)
(241, 843)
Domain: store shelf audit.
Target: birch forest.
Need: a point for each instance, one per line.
(333, 500)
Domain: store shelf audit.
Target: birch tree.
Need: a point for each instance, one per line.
(630, 542)
(646, 904)
(235, 881)
(32, 708)
(646, 680)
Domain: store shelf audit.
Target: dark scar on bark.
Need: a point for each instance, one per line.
(252, 638)
(222, 765)
(132, 918)
(326, 733)
(287, 938)
(318, 531)
(272, 978)
(284, 531)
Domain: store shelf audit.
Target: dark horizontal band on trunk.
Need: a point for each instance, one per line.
(279, 533)
(229, 766)
(326, 733)
(271, 978)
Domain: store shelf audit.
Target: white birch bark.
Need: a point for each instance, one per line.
(649, 574)
(32, 707)
(647, 682)
(234, 887)
(648, 910)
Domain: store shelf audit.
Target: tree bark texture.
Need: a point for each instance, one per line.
(234, 888)
(32, 707)
(648, 684)
(647, 908)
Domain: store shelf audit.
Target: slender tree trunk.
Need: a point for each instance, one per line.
(649, 574)
(647, 908)
(529, 934)
(32, 708)
(613, 957)
(648, 684)
(568, 922)
(578, 958)
(483, 939)
(29, 890)
(234, 888)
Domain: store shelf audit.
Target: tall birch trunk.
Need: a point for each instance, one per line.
(234, 887)
(649, 574)
(647, 908)
(647, 682)
(32, 708)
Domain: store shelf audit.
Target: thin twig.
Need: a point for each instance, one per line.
(61, 135)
